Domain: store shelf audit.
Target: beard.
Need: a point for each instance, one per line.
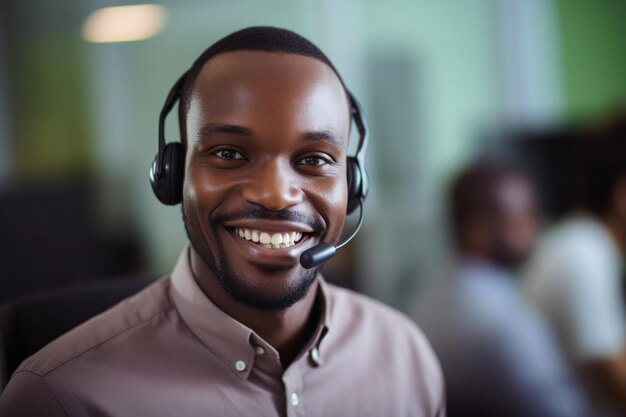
(510, 258)
(233, 284)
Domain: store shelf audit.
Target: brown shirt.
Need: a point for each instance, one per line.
(169, 351)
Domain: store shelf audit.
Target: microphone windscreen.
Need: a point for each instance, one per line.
(316, 255)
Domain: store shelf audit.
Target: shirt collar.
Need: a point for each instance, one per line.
(231, 341)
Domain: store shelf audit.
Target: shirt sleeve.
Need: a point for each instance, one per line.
(29, 395)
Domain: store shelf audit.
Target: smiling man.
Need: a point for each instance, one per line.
(241, 327)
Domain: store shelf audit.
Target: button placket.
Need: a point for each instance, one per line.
(293, 393)
(294, 402)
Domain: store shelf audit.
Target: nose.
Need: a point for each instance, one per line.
(274, 186)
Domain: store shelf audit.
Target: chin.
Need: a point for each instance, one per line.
(267, 287)
(258, 277)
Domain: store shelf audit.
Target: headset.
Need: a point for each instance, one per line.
(168, 168)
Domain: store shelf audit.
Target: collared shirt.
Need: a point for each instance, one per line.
(169, 351)
(498, 356)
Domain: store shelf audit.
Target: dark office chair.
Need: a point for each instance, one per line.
(43, 225)
(29, 323)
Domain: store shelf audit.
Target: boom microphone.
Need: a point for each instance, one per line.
(323, 251)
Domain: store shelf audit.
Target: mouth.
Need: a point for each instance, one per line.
(269, 239)
(265, 242)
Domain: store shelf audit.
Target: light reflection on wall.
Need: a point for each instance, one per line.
(124, 23)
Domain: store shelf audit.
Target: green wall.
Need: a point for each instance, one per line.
(593, 41)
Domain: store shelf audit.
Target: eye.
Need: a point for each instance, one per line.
(313, 161)
(228, 154)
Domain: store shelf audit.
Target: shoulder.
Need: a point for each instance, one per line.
(373, 336)
(463, 309)
(371, 322)
(29, 395)
(365, 311)
(574, 250)
(119, 321)
(470, 294)
(578, 238)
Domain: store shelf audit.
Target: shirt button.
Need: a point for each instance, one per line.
(259, 350)
(294, 399)
(240, 366)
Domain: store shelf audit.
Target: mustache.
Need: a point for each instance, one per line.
(283, 215)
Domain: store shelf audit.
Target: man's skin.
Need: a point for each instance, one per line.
(266, 140)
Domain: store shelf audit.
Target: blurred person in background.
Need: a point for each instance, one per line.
(575, 276)
(497, 355)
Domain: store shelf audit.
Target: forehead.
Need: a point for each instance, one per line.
(269, 89)
(515, 194)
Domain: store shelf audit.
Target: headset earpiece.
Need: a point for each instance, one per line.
(353, 173)
(358, 182)
(168, 168)
(167, 182)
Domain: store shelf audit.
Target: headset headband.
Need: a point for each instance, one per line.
(171, 99)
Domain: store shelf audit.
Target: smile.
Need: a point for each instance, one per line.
(269, 240)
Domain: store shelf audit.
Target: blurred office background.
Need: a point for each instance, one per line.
(441, 82)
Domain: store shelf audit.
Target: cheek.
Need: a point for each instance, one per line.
(202, 191)
(331, 202)
(521, 232)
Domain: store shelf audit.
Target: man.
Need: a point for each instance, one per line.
(241, 328)
(575, 277)
(498, 357)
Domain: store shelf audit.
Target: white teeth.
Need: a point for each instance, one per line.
(270, 240)
(276, 239)
(264, 238)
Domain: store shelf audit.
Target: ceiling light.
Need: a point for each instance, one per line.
(124, 23)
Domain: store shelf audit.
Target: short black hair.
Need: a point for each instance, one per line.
(600, 161)
(257, 38)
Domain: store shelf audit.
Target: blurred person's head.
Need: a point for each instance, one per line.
(601, 172)
(493, 213)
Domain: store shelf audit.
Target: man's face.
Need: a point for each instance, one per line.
(265, 161)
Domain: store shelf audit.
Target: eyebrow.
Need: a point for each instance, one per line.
(214, 128)
(326, 135)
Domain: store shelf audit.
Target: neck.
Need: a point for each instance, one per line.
(288, 331)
